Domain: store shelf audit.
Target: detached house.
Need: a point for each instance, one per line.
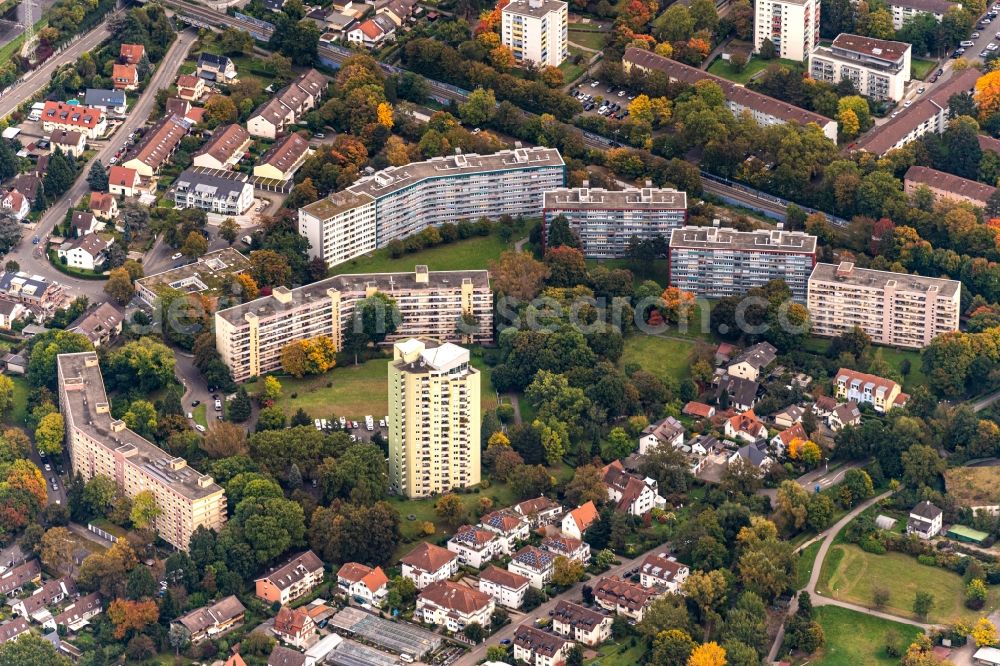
(100, 325)
(131, 54)
(789, 416)
(783, 439)
(103, 206)
(568, 547)
(662, 571)
(125, 77)
(190, 88)
(373, 32)
(213, 67)
(752, 455)
(534, 564)
(752, 361)
(108, 101)
(454, 606)
(539, 511)
(210, 621)
(510, 527)
(69, 142)
(294, 627)
(506, 587)
(428, 564)
(539, 648)
(925, 520)
(745, 427)
(739, 392)
(123, 181)
(291, 580)
(62, 116)
(576, 522)
(87, 252)
(669, 431)
(11, 631)
(15, 205)
(581, 624)
(82, 223)
(474, 546)
(844, 415)
(632, 494)
(369, 585)
(623, 597)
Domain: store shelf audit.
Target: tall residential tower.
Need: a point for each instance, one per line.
(434, 418)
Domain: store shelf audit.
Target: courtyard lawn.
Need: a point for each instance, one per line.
(588, 38)
(19, 411)
(571, 72)
(804, 565)
(856, 639)
(722, 68)
(920, 68)
(853, 574)
(477, 251)
(664, 357)
(654, 270)
(895, 357)
(620, 654)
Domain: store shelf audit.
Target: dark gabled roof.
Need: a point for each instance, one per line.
(752, 454)
(758, 356)
(538, 641)
(293, 570)
(926, 510)
(102, 97)
(578, 616)
(741, 391)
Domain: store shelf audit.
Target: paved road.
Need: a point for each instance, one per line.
(24, 254)
(478, 653)
(39, 78)
(821, 477)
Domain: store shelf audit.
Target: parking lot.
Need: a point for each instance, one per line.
(985, 41)
(603, 100)
(362, 430)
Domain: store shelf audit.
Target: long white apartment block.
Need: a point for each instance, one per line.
(399, 201)
(791, 25)
(715, 262)
(250, 336)
(605, 221)
(98, 443)
(896, 309)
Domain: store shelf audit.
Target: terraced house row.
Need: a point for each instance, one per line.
(250, 336)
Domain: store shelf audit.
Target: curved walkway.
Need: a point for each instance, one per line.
(828, 537)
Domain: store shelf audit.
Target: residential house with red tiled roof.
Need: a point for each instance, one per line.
(296, 577)
(13, 580)
(131, 54)
(283, 159)
(783, 439)
(156, 146)
(698, 410)
(428, 564)
(540, 648)
(125, 77)
(534, 564)
(103, 206)
(15, 205)
(474, 546)
(539, 511)
(576, 522)
(745, 426)
(190, 88)
(454, 606)
(226, 147)
(363, 582)
(123, 181)
(74, 117)
(506, 587)
(881, 393)
(372, 33)
(294, 627)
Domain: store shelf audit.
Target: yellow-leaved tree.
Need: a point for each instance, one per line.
(708, 654)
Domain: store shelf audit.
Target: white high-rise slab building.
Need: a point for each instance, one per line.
(536, 31)
(791, 25)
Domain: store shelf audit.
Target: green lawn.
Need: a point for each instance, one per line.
(804, 566)
(199, 414)
(466, 254)
(664, 357)
(620, 654)
(856, 639)
(919, 68)
(591, 39)
(356, 391)
(19, 411)
(895, 357)
(852, 575)
(722, 68)
(571, 72)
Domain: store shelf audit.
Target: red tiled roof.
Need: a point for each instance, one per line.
(584, 515)
(428, 557)
(122, 176)
(699, 409)
(503, 577)
(456, 597)
(131, 53)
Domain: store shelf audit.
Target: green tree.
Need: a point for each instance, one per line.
(923, 602)
(617, 446)
(479, 108)
(240, 406)
(97, 178)
(144, 509)
(229, 230)
(194, 245)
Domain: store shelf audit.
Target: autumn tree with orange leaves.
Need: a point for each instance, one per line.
(708, 654)
(678, 305)
(988, 94)
(135, 616)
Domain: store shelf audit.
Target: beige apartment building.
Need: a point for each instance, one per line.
(434, 418)
(896, 309)
(250, 336)
(98, 443)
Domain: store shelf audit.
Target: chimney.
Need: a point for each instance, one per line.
(282, 294)
(421, 274)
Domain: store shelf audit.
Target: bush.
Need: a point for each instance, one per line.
(873, 545)
(928, 560)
